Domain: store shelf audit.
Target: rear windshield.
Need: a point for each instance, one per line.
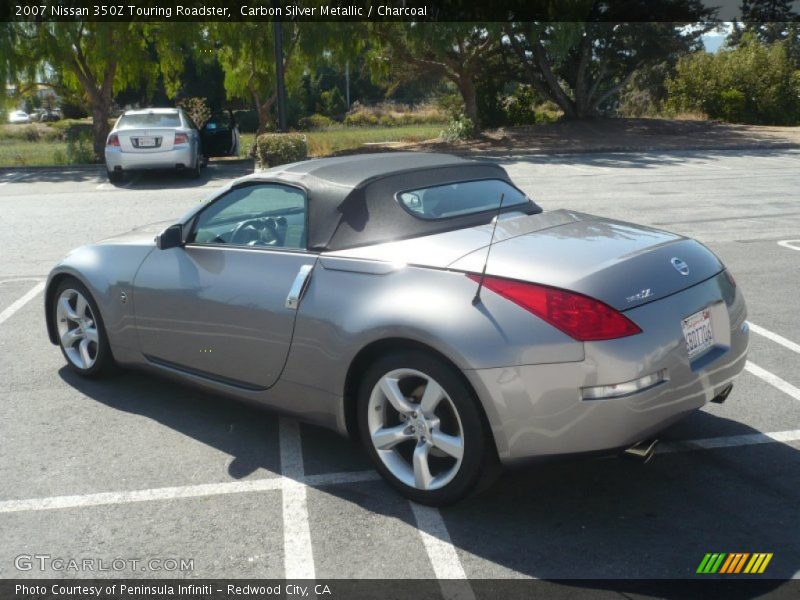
(462, 198)
(150, 120)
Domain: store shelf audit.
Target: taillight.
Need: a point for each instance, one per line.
(113, 140)
(579, 316)
(730, 277)
(181, 138)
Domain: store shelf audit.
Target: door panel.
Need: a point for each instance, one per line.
(219, 311)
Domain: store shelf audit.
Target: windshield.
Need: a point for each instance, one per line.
(172, 119)
(461, 198)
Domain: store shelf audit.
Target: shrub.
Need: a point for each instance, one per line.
(361, 119)
(35, 132)
(273, 149)
(80, 147)
(331, 103)
(753, 83)
(197, 109)
(520, 107)
(732, 106)
(391, 114)
(458, 128)
(315, 121)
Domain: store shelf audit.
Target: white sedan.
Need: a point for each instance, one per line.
(18, 117)
(154, 138)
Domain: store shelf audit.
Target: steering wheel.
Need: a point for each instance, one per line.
(245, 233)
(255, 232)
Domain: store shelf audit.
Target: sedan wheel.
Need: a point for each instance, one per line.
(422, 428)
(80, 331)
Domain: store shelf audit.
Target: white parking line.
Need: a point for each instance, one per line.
(7, 313)
(778, 339)
(167, 493)
(773, 380)
(17, 279)
(443, 556)
(791, 244)
(298, 555)
(703, 165)
(731, 441)
(187, 491)
(585, 169)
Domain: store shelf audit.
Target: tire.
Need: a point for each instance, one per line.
(398, 442)
(198, 162)
(89, 354)
(114, 176)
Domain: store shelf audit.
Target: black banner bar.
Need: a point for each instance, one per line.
(730, 588)
(376, 10)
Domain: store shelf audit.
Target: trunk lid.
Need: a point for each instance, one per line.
(621, 264)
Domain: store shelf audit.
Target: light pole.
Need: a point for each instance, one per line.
(280, 84)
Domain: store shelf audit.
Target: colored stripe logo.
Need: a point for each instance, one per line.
(734, 563)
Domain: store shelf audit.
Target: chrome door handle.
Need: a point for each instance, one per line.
(298, 287)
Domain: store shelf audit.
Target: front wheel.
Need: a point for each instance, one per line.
(422, 427)
(81, 334)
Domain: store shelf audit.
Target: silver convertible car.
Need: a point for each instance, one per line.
(420, 303)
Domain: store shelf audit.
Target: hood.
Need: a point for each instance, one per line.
(621, 264)
(144, 234)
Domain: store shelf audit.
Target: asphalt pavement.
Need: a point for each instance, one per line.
(141, 468)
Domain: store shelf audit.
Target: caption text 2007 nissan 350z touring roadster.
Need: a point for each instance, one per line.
(421, 303)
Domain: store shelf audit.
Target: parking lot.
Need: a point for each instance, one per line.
(139, 467)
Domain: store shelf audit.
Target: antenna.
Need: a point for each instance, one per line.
(477, 297)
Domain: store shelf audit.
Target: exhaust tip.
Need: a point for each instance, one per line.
(723, 395)
(642, 451)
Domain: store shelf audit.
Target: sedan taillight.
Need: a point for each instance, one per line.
(181, 138)
(579, 316)
(113, 140)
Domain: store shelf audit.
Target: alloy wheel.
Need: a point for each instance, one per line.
(415, 429)
(77, 329)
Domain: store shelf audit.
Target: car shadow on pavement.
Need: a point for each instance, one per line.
(590, 519)
(138, 179)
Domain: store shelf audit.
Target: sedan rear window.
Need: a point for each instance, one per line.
(461, 198)
(149, 120)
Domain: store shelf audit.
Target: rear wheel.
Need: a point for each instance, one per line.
(81, 334)
(114, 176)
(194, 173)
(422, 427)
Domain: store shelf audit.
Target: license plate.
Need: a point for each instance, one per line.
(697, 332)
(147, 142)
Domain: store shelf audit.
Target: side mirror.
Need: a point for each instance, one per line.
(171, 237)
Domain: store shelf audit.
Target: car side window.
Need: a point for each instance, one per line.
(263, 214)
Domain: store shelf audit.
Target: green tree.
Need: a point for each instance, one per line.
(582, 65)
(752, 83)
(457, 52)
(246, 52)
(770, 20)
(94, 61)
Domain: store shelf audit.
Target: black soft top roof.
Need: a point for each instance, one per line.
(351, 199)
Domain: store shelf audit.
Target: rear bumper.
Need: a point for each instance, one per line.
(168, 159)
(538, 410)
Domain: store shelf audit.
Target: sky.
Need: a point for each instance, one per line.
(716, 37)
